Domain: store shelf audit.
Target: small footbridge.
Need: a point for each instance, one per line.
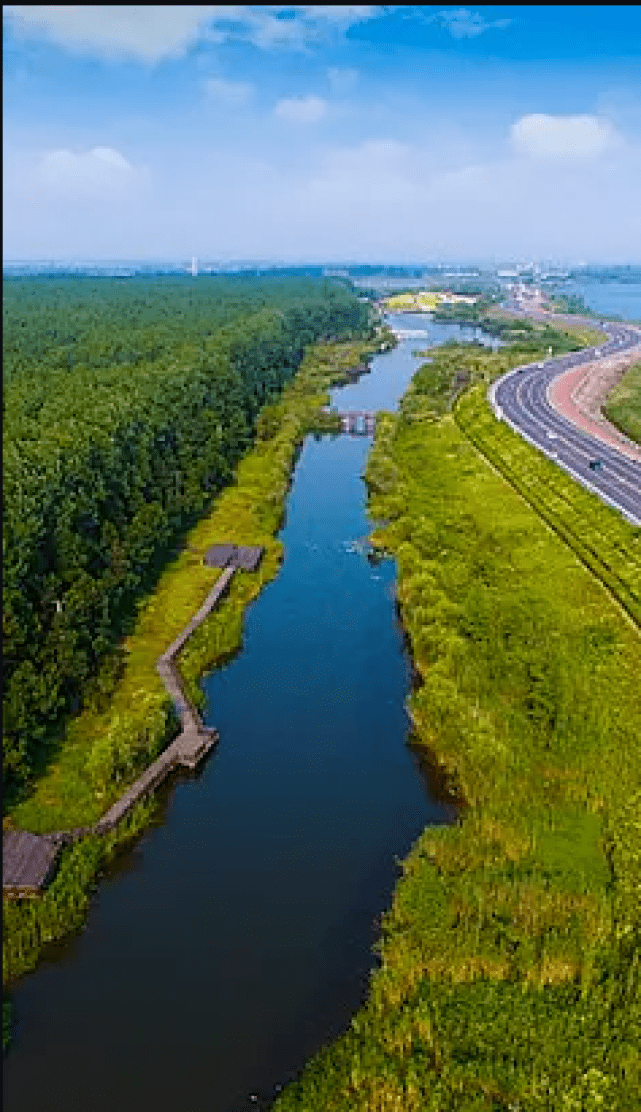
(412, 333)
(358, 422)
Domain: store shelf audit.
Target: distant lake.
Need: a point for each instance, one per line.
(607, 296)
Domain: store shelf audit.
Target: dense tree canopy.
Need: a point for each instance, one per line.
(127, 405)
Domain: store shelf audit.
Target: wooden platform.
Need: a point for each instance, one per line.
(188, 750)
(245, 557)
(28, 860)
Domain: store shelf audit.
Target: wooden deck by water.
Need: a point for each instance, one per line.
(28, 860)
(247, 557)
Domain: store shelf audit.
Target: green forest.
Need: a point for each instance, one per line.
(127, 405)
(114, 736)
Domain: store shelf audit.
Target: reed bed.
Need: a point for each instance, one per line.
(509, 959)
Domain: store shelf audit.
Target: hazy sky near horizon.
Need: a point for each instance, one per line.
(314, 133)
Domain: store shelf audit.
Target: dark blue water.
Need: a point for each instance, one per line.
(235, 938)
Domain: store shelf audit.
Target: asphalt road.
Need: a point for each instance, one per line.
(519, 398)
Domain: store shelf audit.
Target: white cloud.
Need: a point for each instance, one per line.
(230, 92)
(302, 110)
(464, 24)
(373, 160)
(146, 33)
(544, 208)
(391, 199)
(381, 197)
(563, 138)
(277, 25)
(152, 33)
(99, 171)
(622, 106)
(342, 81)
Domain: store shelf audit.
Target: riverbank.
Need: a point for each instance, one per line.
(509, 972)
(258, 888)
(105, 748)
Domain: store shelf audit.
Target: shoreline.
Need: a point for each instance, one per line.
(253, 506)
(461, 936)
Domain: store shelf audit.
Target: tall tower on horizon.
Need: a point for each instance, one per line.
(194, 266)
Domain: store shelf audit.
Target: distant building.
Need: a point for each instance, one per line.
(194, 267)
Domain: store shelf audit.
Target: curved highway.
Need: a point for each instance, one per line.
(520, 399)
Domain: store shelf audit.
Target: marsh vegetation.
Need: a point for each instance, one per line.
(510, 973)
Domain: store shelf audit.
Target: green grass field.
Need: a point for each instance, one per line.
(607, 544)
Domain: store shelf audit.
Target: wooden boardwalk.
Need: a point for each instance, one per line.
(28, 860)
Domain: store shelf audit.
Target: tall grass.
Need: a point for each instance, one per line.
(509, 974)
(28, 925)
(601, 538)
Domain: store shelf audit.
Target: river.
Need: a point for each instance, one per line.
(235, 937)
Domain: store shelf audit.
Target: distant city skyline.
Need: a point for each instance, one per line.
(330, 267)
(314, 135)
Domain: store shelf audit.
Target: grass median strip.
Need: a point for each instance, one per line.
(623, 407)
(601, 538)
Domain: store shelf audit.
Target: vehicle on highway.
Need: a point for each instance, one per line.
(614, 476)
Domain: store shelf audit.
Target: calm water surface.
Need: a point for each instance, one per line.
(235, 938)
(622, 299)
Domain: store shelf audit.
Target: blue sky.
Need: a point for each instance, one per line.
(315, 133)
